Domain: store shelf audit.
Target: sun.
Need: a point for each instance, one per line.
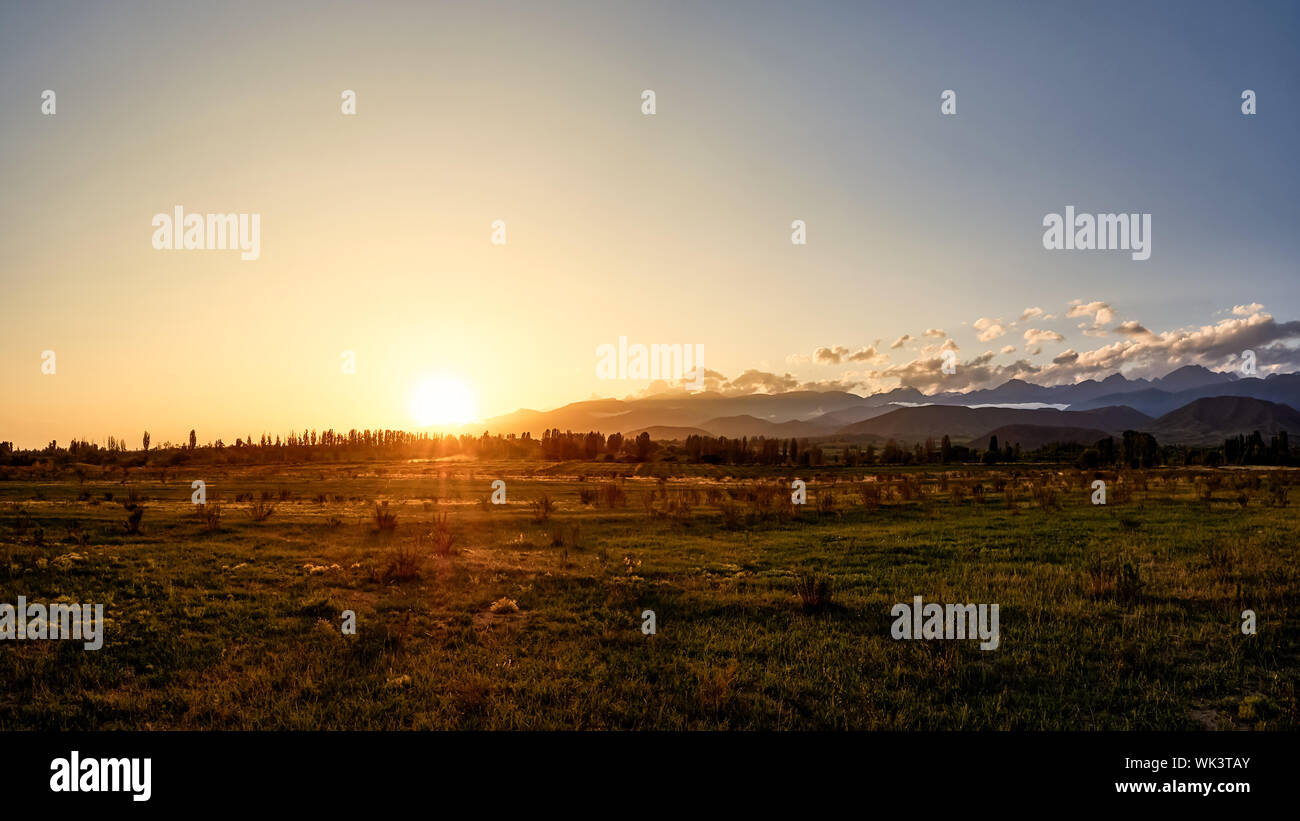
(442, 401)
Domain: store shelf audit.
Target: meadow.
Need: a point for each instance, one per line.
(528, 614)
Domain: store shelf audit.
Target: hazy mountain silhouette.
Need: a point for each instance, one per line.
(1115, 403)
(1210, 420)
(964, 424)
(1280, 388)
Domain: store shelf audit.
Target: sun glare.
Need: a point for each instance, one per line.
(442, 402)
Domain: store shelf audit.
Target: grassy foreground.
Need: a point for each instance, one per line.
(472, 615)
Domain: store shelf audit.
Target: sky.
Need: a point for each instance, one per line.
(671, 227)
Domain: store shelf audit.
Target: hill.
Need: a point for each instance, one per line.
(964, 424)
(1210, 420)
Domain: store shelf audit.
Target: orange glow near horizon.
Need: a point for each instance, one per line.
(442, 401)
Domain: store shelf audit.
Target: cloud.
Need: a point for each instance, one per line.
(898, 343)
(869, 354)
(830, 356)
(839, 353)
(989, 329)
(1008, 349)
(935, 332)
(1136, 351)
(1213, 346)
(755, 381)
(926, 374)
(1247, 310)
(1100, 312)
(1031, 313)
(1035, 336)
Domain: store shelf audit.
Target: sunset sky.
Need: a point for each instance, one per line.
(671, 228)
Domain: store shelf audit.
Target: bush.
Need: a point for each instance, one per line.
(612, 495)
(825, 502)
(1128, 587)
(542, 508)
(384, 520)
(133, 521)
(405, 563)
(1101, 577)
(815, 591)
(731, 516)
(209, 516)
(261, 510)
(440, 540)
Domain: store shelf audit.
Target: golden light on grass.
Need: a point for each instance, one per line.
(442, 401)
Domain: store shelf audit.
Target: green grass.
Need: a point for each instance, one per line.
(239, 627)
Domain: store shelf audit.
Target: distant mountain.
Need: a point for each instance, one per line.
(1210, 420)
(734, 427)
(1282, 388)
(964, 424)
(666, 433)
(1118, 404)
(1033, 437)
(838, 419)
(674, 410)
(1190, 377)
(1113, 390)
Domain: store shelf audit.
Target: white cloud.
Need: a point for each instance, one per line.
(989, 329)
(1035, 336)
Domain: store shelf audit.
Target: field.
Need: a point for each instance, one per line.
(528, 614)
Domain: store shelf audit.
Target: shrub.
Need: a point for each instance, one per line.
(1129, 585)
(731, 517)
(1221, 559)
(678, 505)
(209, 516)
(133, 521)
(957, 493)
(405, 563)
(870, 493)
(542, 508)
(384, 520)
(1101, 577)
(815, 591)
(261, 510)
(612, 495)
(440, 540)
(825, 502)
(1279, 494)
(716, 686)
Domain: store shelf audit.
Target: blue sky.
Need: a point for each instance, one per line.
(671, 228)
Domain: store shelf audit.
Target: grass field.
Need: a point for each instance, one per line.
(472, 615)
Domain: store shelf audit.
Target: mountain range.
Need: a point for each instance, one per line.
(1191, 405)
